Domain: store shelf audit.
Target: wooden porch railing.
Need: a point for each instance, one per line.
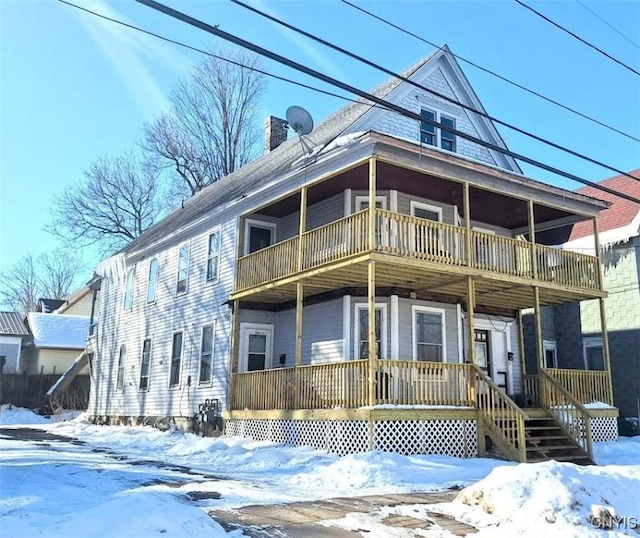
(569, 412)
(586, 386)
(346, 385)
(531, 388)
(502, 416)
(412, 237)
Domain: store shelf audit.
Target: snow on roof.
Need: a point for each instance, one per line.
(57, 330)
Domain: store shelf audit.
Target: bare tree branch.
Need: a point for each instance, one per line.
(212, 127)
(19, 285)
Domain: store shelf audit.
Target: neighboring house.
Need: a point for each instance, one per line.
(12, 331)
(55, 342)
(47, 306)
(575, 329)
(361, 290)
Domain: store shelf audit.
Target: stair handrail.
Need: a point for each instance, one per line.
(514, 439)
(564, 412)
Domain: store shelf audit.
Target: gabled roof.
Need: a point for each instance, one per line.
(621, 214)
(58, 330)
(72, 299)
(258, 172)
(12, 324)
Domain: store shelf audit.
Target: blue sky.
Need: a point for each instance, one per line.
(74, 88)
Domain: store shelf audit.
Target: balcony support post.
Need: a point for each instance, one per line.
(538, 323)
(372, 204)
(302, 227)
(603, 313)
(233, 352)
(372, 340)
(467, 223)
(532, 239)
(471, 305)
(523, 362)
(298, 358)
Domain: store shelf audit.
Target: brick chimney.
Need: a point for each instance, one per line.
(275, 133)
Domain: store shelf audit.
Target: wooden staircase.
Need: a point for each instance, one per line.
(546, 440)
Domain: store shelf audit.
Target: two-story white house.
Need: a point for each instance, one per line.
(362, 290)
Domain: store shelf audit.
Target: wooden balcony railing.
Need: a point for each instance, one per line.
(586, 386)
(412, 237)
(346, 385)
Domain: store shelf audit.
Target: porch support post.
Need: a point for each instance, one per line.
(299, 299)
(471, 305)
(532, 238)
(523, 362)
(467, 223)
(538, 322)
(233, 352)
(603, 314)
(372, 204)
(373, 352)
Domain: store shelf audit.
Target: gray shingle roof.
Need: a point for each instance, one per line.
(268, 166)
(12, 324)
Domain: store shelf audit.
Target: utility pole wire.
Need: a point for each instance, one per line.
(576, 36)
(433, 92)
(608, 24)
(492, 73)
(368, 96)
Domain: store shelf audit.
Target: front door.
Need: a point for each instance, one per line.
(256, 347)
(482, 344)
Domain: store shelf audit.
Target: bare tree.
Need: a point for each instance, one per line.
(212, 127)
(118, 199)
(51, 275)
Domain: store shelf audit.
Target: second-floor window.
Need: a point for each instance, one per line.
(145, 364)
(213, 256)
(206, 354)
(176, 358)
(183, 269)
(128, 291)
(152, 284)
(433, 136)
(120, 374)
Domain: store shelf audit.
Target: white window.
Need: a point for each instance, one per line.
(145, 364)
(433, 136)
(176, 359)
(183, 269)
(213, 256)
(206, 353)
(550, 354)
(362, 202)
(429, 343)
(361, 333)
(593, 353)
(120, 374)
(128, 290)
(258, 234)
(152, 283)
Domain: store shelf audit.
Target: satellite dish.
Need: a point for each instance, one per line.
(299, 120)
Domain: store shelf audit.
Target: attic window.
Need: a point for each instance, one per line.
(433, 136)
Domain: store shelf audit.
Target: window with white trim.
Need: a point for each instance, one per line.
(128, 290)
(434, 136)
(176, 359)
(145, 364)
(152, 283)
(206, 353)
(361, 320)
(550, 354)
(120, 374)
(593, 352)
(183, 269)
(213, 256)
(428, 334)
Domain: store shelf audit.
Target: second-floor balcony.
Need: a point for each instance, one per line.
(428, 247)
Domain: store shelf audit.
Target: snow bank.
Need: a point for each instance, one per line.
(11, 415)
(625, 451)
(58, 330)
(555, 499)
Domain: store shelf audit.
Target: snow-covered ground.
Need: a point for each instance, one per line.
(71, 489)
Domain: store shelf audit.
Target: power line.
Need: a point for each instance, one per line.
(608, 24)
(430, 91)
(212, 55)
(368, 96)
(576, 36)
(492, 73)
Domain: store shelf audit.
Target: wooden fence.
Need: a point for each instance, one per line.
(30, 391)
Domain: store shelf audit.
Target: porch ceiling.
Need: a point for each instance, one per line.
(425, 280)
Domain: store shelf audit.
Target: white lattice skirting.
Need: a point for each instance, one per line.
(447, 437)
(604, 429)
